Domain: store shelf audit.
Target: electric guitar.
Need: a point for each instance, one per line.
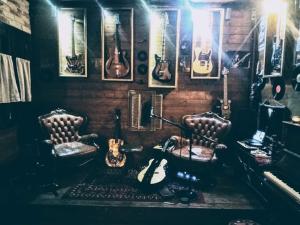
(202, 61)
(114, 158)
(161, 71)
(117, 65)
(74, 62)
(155, 171)
(225, 103)
(276, 55)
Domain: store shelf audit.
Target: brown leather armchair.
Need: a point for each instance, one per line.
(208, 134)
(64, 140)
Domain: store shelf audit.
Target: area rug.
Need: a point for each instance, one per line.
(119, 185)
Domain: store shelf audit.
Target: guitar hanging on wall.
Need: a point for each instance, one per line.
(114, 158)
(276, 55)
(225, 103)
(74, 62)
(117, 65)
(161, 71)
(202, 61)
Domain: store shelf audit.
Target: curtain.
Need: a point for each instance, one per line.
(23, 69)
(8, 86)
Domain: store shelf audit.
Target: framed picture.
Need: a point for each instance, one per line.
(140, 105)
(163, 48)
(207, 43)
(117, 44)
(271, 42)
(72, 42)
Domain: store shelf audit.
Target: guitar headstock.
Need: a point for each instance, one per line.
(166, 18)
(117, 19)
(117, 114)
(225, 71)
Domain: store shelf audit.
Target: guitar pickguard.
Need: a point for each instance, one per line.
(202, 62)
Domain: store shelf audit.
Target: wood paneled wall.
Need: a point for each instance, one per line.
(98, 98)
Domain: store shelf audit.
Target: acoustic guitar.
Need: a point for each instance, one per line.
(74, 62)
(154, 172)
(202, 61)
(117, 65)
(114, 158)
(161, 71)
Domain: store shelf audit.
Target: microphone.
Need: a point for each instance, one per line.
(146, 113)
(152, 112)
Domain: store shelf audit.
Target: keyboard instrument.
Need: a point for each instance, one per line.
(283, 186)
(277, 183)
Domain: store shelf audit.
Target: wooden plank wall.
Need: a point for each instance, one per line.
(98, 98)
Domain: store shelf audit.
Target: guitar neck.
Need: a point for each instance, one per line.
(117, 132)
(225, 90)
(73, 37)
(163, 50)
(117, 46)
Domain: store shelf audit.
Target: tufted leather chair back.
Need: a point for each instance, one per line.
(209, 125)
(62, 126)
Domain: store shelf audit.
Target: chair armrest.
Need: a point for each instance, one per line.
(90, 139)
(220, 147)
(45, 148)
(181, 141)
(221, 151)
(47, 142)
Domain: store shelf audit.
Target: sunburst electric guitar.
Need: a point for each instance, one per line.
(117, 65)
(161, 71)
(114, 158)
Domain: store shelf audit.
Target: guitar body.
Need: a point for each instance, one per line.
(74, 64)
(202, 62)
(154, 173)
(117, 65)
(161, 71)
(225, 109)
(114, 158)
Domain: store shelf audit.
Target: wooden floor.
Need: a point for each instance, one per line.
(229, 199)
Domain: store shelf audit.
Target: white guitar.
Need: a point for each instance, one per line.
(225, 103)
(155, 171)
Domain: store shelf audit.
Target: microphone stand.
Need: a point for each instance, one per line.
(186, 195)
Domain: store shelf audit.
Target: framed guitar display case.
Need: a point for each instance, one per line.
(72, 42)
(117, 44)
(163, 48)
(207, 43)
(271, 41)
